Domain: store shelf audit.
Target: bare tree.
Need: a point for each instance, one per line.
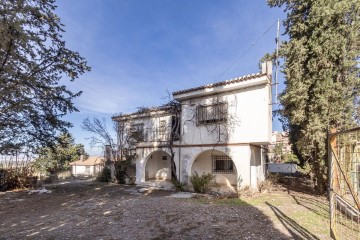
(118, 153)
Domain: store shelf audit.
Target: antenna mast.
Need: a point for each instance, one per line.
(277, 40)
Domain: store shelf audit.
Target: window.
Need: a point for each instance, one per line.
(175, 127)
(164, 157)
(137, 132)
(209, 114)
(162, 130)
(222, 164)
(87, 169)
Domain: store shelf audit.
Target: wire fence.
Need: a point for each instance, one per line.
(344, 169)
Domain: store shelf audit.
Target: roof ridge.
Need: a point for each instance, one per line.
(225, 82)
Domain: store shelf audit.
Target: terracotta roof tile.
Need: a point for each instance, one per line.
(226, 82)
(91, 161)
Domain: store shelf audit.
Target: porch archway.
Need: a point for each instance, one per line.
(218, 163)
(158, 166)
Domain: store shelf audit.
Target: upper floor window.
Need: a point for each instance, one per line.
(137, 132)
(209, 114)
(162, 130)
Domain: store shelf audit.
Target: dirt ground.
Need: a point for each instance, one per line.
(92, 210)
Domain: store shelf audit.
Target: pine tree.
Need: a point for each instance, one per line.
(33, 60)
(321, 67)
(59, 156)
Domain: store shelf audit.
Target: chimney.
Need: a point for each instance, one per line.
(82, 157)
(266, 67)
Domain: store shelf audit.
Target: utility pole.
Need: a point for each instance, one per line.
(277, 40)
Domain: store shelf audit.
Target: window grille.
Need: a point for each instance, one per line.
(137, 132)
(87, 169)
(209, 114)
(162, 130)
(222, 164)
(175, 127)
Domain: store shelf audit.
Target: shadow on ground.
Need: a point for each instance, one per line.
(296, 230)
(91, 210)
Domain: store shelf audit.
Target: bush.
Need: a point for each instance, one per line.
(124, 170)
(105, 175)
(179, 187)
(16, 179)
(201, 183)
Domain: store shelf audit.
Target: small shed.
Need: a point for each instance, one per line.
(87, 167)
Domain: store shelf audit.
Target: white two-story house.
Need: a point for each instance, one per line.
(223, 128)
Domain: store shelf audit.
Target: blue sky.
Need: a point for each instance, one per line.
(141, 49)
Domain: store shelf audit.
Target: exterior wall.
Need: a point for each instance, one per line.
(257, 169)
(282, 168)
(145, 164)
(240, 155)
(203, 164)
(81, 170)
(151, 127)
(249, 122)
(156, 167)
(249, 118)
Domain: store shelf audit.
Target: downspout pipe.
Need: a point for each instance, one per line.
(180, 148)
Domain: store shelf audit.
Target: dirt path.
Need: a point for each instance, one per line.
(90, 210)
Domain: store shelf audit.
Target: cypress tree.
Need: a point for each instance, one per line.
(321, 68)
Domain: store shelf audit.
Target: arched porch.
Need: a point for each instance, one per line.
(219, 164)
(157, 166)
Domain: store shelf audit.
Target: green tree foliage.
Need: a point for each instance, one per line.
(321, 67)
(278, 150)
(59, 157)
(33, 61)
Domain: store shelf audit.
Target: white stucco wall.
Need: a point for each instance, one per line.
(80, 170)
(249, 117)
(151, 127)
(240, 155)
(156, 167)
(203, 164)
(249, 123)
(153, 168)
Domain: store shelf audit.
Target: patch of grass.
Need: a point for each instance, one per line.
(275, 199)
(304, 216)
(233, 201)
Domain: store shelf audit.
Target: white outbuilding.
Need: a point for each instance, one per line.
(87, 167)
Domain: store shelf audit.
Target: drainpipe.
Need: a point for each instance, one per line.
(180, 148)
(250, 164)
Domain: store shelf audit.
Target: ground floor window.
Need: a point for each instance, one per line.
(222, 164)
(87, 169)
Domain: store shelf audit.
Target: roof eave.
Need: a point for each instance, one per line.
(227, 86)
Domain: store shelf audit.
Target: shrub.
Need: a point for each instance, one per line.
(201, 183)
(105, 175)
(16, 173)
(179, 187)
(17, 178)
(124, 170)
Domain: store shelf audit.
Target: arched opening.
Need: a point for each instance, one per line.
(219, 164)
(158, 166)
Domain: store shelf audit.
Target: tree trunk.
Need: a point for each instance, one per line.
(173, 169)
(320, 185)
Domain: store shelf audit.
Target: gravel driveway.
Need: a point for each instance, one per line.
(91, 210)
